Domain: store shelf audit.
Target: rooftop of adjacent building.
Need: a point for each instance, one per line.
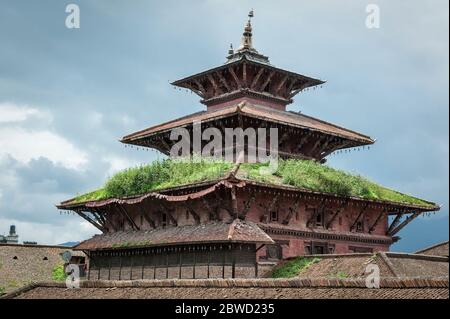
(294, 288)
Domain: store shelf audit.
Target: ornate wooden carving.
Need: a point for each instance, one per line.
(235, 77)
(292, 211)
(192, 212)
(395, 222)
(404, 223)
(248, 205)
(256, 78)
(335, 215)
(359, 217)
(270, 208)
(377, 220)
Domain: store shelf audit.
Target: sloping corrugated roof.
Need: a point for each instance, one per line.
(220, 232)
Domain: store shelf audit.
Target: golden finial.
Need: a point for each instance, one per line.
(246, 42)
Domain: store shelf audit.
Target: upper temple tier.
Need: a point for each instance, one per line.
(247, 74)
(247, 92)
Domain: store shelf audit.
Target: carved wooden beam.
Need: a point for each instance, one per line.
(395, 222)
(266, 82)
(212, 212)
(91, 221)
(333, 148)
(291, 85)
(148, 219)
(292, 210)
(336, 214)
(169, 212)
(244, 73)
(315, 146)
(361, 213)
(214, 84)
(316, 211)
(200, 87)
(224, 81)
(248, 205)
(99, 217)
(282, 83)
(284, 138)
(377, 220)
(273, 203)
(163, 142)
(304, 139)
(127, 216)
(222, 203)
(323, 146)
(404, 223)
(295, 92)
(235, 77)
(193, 213)
(234, 204)
(256, 78)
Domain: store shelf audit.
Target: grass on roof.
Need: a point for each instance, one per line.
(293, 267)
(313, 176)
(302, 174)
(156, 176)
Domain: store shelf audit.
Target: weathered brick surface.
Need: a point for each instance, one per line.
(33, 263)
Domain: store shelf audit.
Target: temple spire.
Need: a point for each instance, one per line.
(247, 42)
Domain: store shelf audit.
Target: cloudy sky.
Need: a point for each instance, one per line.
(68, 95)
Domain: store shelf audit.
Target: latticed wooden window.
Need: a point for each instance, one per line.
(274, 216)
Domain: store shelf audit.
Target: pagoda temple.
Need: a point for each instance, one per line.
(234, 224)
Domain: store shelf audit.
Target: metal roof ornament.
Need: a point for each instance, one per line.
(246, 42)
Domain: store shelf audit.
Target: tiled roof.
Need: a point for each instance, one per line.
(440, 249)
(406, 288)
(219, 232)
(255, 111)
(391, 264)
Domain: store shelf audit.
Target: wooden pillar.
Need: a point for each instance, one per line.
(233, 262)
(143, 266)
(193, 268)
(223, 264)
(209, 262)
(89, 269)
(109, 269)
(120, 266)
(131, 266)
(167, 264)
(181, 264)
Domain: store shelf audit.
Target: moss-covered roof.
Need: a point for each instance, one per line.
(301, 174)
